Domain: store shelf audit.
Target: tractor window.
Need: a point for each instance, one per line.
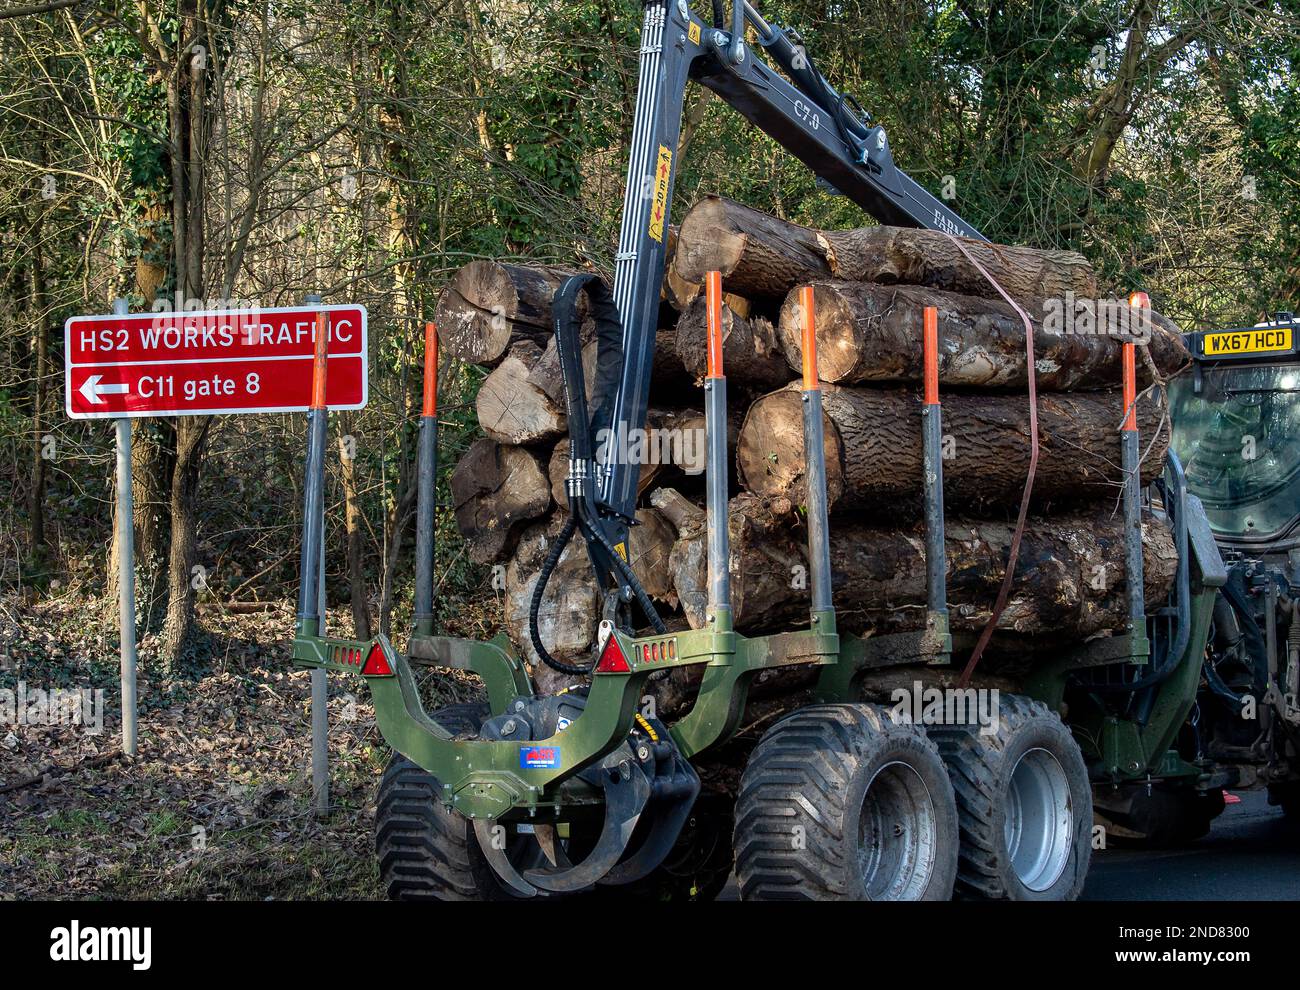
(1239, 440)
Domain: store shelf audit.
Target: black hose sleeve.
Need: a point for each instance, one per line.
(539, 589)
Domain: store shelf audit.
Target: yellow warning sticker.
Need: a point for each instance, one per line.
(659, 211)
(622, 550)
(694, 32)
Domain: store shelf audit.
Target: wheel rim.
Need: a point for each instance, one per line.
(1039, 824)
(897, 835)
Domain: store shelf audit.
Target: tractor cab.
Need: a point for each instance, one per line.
(1236, 427)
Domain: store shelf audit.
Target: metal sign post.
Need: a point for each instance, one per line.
(319, 423)
(126, 572)
(217, 362)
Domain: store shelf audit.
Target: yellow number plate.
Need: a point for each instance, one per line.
(1265, 340)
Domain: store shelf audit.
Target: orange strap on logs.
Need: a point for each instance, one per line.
(1130, 387)
(319, 361)
(806, 315)
(713, 314)
(430, 370)
(930, 346)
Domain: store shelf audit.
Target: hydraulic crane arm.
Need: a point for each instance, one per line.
(821, 127)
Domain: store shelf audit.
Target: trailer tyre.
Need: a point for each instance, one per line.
(838, 802)
(427, 852)
(1024, 803)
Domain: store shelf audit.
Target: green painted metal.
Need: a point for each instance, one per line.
(733, 662)
(1121, 748)
(487, 779)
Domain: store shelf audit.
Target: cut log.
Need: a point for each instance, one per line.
(490, 305)
(907, 256)
(567, 616)
(874, 451)
(872, 333)
(1069, 580)
(758, 255)
(494, 488)
(511, 407)
(750, 352)
(762, 256)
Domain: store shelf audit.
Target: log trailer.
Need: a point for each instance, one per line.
(586, 791)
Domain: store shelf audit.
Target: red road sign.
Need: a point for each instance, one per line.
(203, 364)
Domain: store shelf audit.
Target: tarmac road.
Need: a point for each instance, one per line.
(1250, 855)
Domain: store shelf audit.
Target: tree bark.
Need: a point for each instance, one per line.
(40, 350)
(490, 305)
(190, 121)
(874, 450)
(1069, 579)
(511, 408)
(353, 528)
(191, 436)
(493, 488)
(750, 352)
(762, 256)
(872, 333)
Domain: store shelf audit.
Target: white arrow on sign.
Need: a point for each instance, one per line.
(92, 390)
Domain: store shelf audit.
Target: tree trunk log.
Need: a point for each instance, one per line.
(762, 256)
(750, 352)
(493, 488)
(874, 450)
(512, 408)
(872, 333)
(1069, 577)
(490, 305)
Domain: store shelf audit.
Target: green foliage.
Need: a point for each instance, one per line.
(482, 129)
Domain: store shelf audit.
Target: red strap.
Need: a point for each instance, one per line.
(1004, 591)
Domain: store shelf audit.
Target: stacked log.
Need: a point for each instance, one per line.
(870, 287)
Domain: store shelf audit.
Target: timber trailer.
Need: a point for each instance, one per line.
(585, 791)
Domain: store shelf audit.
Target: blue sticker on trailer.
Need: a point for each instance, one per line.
(539, 757)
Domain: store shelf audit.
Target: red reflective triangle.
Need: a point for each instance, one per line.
(376, 663)
(611, 659)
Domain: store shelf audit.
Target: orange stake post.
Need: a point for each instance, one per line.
(430, 407)
(809, 338)
(320, 362)
(930, 345)
(713, 310)
(1130, 386)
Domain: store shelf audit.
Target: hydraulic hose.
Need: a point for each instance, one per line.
(539, 589)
